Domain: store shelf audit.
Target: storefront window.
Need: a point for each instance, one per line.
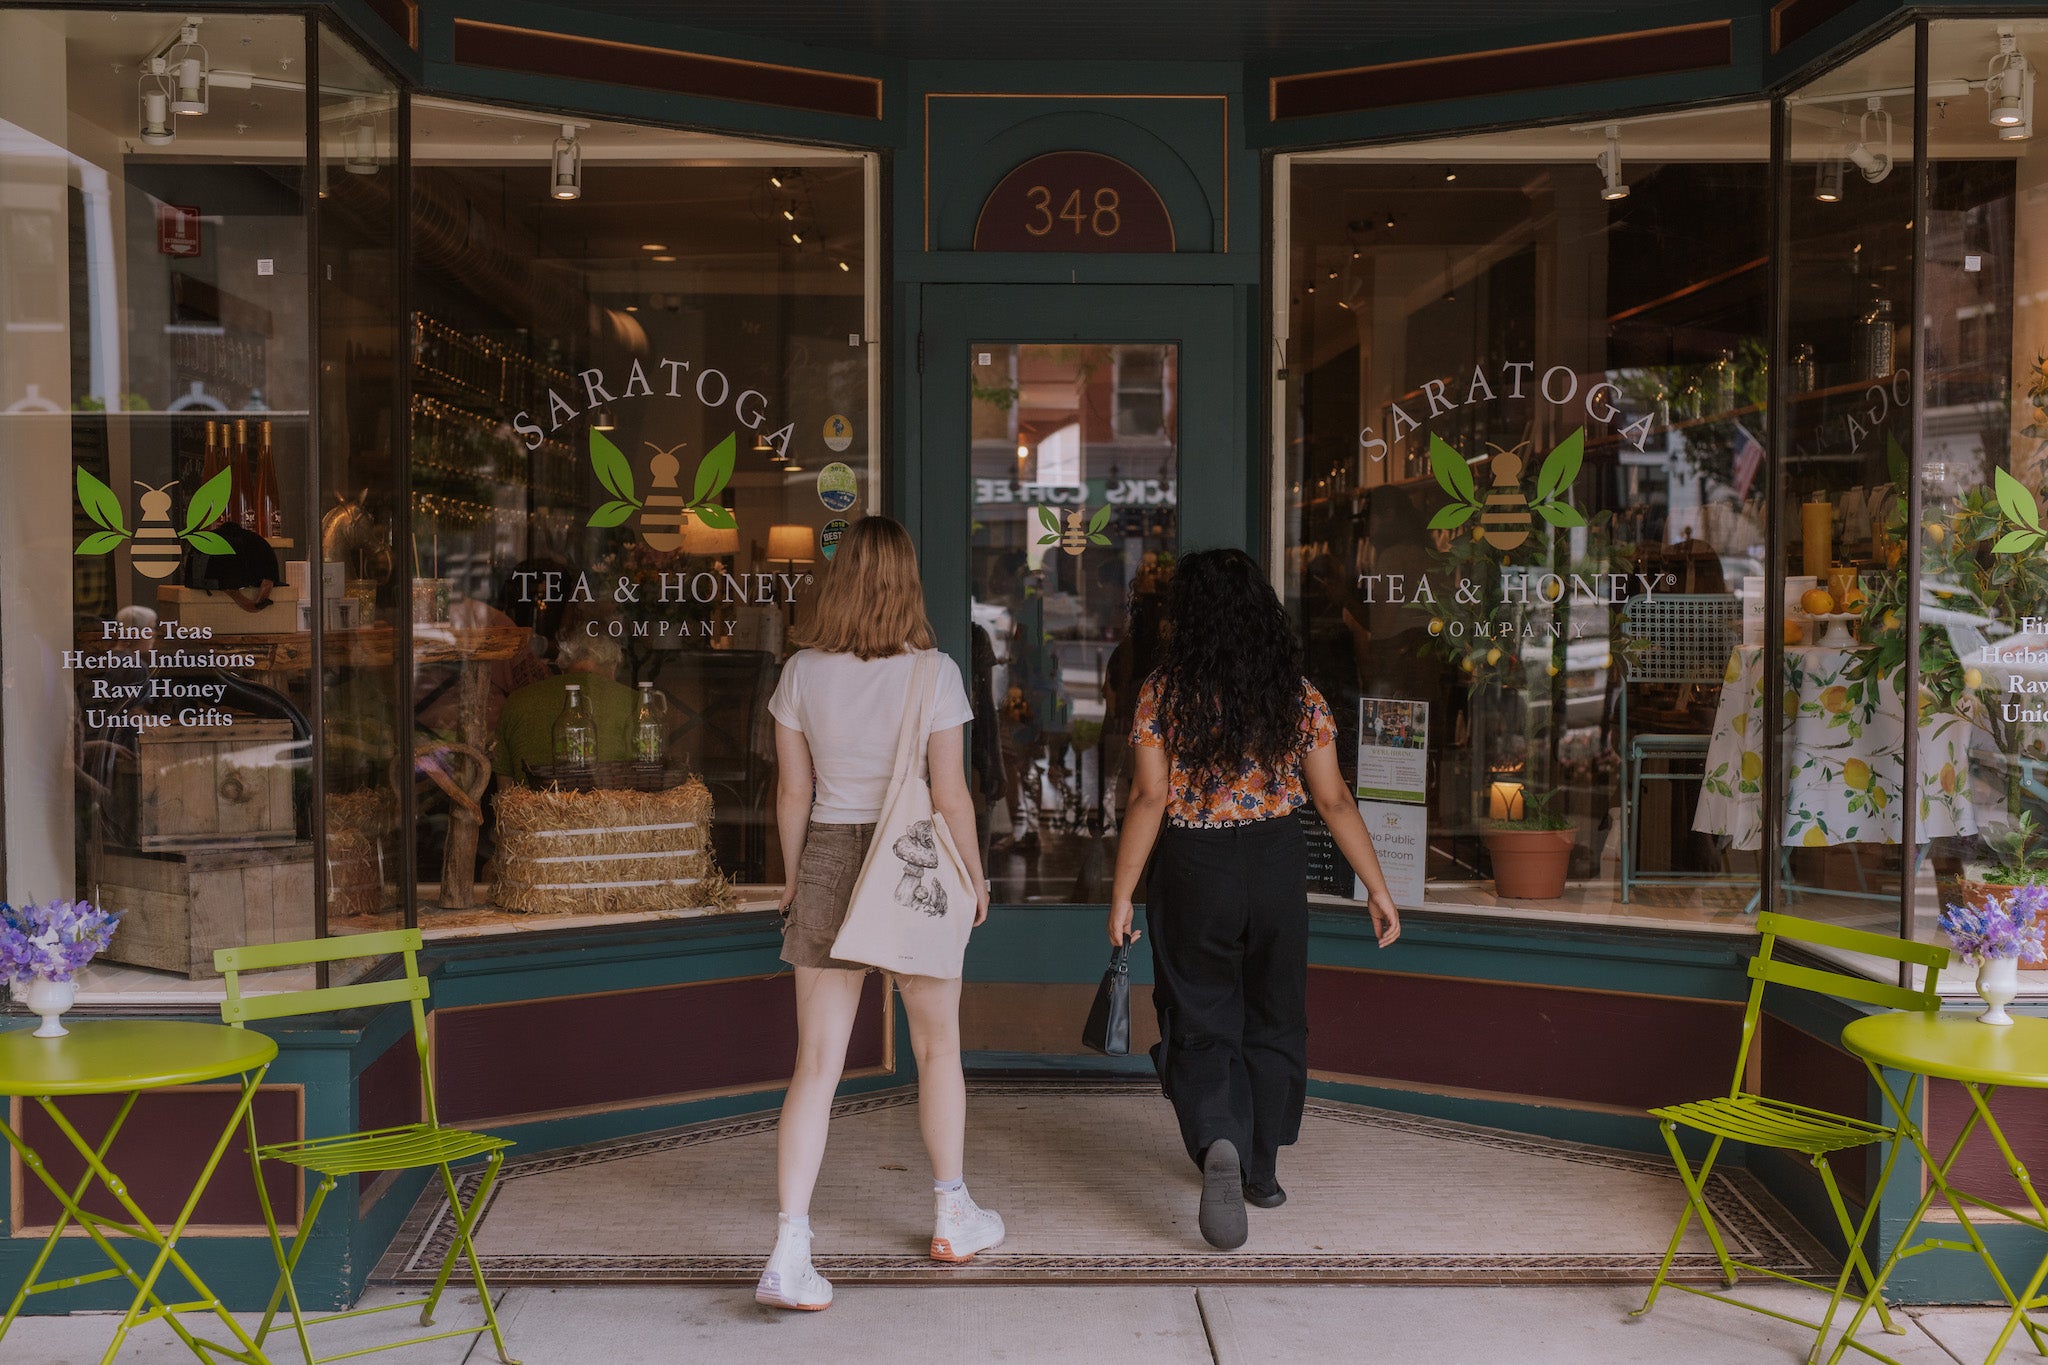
(1522, 503)
(303, 556)
(1839, 700)
(640, 420)
(1982, 472)
(155, 493)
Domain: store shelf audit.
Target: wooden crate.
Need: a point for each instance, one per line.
(201, 786)
(217, 612)
(182, 906)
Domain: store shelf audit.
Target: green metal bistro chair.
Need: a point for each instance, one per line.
(412, 1147)
(1759, 1121)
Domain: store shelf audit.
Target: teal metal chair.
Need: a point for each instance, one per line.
(414, 1146)
(1685, 639)
(1758, 1121)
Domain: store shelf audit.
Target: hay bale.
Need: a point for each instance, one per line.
(606, 851)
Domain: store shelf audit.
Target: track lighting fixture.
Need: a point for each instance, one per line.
(1827, 180)
(1609, 161)
(153, 98)
(187, 64)
(1872, 152)
(568, 165)
(2009, 90)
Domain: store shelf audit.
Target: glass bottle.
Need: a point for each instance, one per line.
(1805, 372)
(241, 497)
(650, 735)
(1874, 341)
(216, 454)
(269, 505)
(575, 736)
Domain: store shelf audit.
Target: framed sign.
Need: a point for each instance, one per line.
(1074, 201)
(177, 230)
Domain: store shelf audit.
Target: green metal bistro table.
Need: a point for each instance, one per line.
(1983, 1059)
(119, 1057)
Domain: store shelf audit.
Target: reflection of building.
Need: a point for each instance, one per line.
(771, 235)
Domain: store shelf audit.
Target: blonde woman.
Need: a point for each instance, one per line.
(836, 747)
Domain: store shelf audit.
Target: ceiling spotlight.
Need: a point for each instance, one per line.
(653, 246)
(1449, 176)
(789, 215)
(665, 260)
(844, 266)
(187, 63)
(1390, 220)
(359, 155)
(1827, 180)
(604, 421)
(154, 97)
(568, 170)
(775, 179)
(797, 237)
(2009, 90)
(1872, 153)
(1609, 162)
(1023, 452)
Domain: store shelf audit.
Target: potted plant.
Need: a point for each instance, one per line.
(42, 948)
(1531, 853)
(1995, 938)
(2019, 857)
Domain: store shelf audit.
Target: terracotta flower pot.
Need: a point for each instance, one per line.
(1530, 864)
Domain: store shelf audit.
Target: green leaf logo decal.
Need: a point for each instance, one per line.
(612, 469)
(715, 472)
(103, 507)
(2022, 512)
(206, 506)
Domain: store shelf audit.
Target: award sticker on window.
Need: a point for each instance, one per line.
(828, 539)
(837, 488)
(838, 433)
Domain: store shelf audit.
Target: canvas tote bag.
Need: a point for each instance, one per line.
(913, 905)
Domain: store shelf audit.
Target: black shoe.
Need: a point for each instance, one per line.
(1222, 1217)
(1266, 1194)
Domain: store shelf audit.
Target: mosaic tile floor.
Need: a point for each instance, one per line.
(1095, 1188)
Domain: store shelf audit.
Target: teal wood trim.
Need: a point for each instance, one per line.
(1742, 78)
(442, 75)
(366, 29)
(1860, 26)
(1627, 1132)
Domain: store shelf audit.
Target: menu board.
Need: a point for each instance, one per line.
(1328, 873)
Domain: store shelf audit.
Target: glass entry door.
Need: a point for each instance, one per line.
(1075, 525)
(1074, 442)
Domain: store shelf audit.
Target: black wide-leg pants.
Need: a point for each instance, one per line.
(1227, 911)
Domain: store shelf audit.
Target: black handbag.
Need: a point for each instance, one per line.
(1108, 1030)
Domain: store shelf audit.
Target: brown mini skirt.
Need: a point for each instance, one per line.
(825, 875)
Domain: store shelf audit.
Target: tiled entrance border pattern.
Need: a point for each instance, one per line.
(1098, 1192)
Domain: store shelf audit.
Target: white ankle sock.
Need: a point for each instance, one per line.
(950, 1186)
(799, 1221)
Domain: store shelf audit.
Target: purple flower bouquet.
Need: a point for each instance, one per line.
(51, 942)
(2007, 926)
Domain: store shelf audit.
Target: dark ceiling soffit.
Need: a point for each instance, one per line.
(1539, 66)
(502, 47)
(369, 24)
(402, 17)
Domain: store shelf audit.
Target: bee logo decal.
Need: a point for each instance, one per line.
(663, 511)
(1504, 513)
(1075, 538)
(155, 553)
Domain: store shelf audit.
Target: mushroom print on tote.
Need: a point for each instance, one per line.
(918, 890)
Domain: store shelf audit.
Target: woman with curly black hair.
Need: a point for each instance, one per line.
(1231, 740)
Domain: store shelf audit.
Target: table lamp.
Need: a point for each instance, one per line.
(714, 542)
(1504, 801)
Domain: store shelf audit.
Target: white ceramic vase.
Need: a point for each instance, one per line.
(1998, 980)
(50, 999)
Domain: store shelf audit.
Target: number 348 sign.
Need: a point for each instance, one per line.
(1074, 201)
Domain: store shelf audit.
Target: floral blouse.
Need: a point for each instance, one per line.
(1254, 794)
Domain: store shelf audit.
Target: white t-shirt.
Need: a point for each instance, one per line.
(849, 710)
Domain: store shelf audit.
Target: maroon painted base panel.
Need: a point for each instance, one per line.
(2022, 1116)
(161, 1151)
(541, 1056)
(1577, 1046)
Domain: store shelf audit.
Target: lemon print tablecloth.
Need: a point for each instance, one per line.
(1845, 755)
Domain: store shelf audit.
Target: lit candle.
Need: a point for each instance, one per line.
(1504, 801)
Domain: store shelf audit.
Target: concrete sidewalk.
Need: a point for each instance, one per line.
(1147, 1325)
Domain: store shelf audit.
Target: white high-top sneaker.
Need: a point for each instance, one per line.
(789, 1281)
(963, 1227)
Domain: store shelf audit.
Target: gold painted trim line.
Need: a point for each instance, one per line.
(1592, 45)
(509, 47)
(238, 1151)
